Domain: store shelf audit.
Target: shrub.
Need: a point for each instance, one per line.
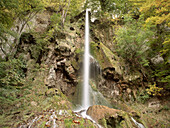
(12, 72)
(153, 90)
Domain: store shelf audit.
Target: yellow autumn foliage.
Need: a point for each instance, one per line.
(153, 90)
(156, 11)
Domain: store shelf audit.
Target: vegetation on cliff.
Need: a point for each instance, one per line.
(141, 36)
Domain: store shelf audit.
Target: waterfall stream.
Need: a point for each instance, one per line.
(85, 100)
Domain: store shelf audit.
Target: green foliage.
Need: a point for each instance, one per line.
(166, 108)
(133, 41)
(12, 72)
(93, 48)
(143, 97)
(162, 74)
(10, 11)
(103, 122)
(42, 40)
(68, 122)
(75, 7)
(116, 8)
(79, 51)
(7, 11)
(156, 12)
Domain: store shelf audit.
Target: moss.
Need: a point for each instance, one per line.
(103, 122)
(97, 53)
(93, 85)
(79, 51)
(128, 121)
(123, 124)
(50, 92)
(75, 64)
(19, 104)
(68, 123)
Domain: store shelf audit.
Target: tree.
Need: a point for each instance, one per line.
(11, 11)
(156, 12)
(7, 14)
(133, 43)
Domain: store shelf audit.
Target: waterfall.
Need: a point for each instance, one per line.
(85, 100)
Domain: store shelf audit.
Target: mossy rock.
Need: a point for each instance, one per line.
(103, 122)
(75, 64)
(93, 85)
(51, 92)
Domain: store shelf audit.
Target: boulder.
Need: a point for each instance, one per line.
(109, 117)
(154, 104)
(157, 59)
(98, 112)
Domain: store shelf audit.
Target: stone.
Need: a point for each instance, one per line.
(33, 103)
(63, 49)
(154, 104)
(128, 90)
(70, 70)
(98, 112)
(157, 59)
(124, 86)
(50, 80)
(109, 117)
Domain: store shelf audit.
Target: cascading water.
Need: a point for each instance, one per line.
(85, 100)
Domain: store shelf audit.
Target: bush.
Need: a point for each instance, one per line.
(143, 97)
(12, 72)
(153, 90)
(133, 41)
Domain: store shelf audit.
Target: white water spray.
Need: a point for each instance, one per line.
(85, 100)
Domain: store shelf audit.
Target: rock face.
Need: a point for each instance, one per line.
(61, 74)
